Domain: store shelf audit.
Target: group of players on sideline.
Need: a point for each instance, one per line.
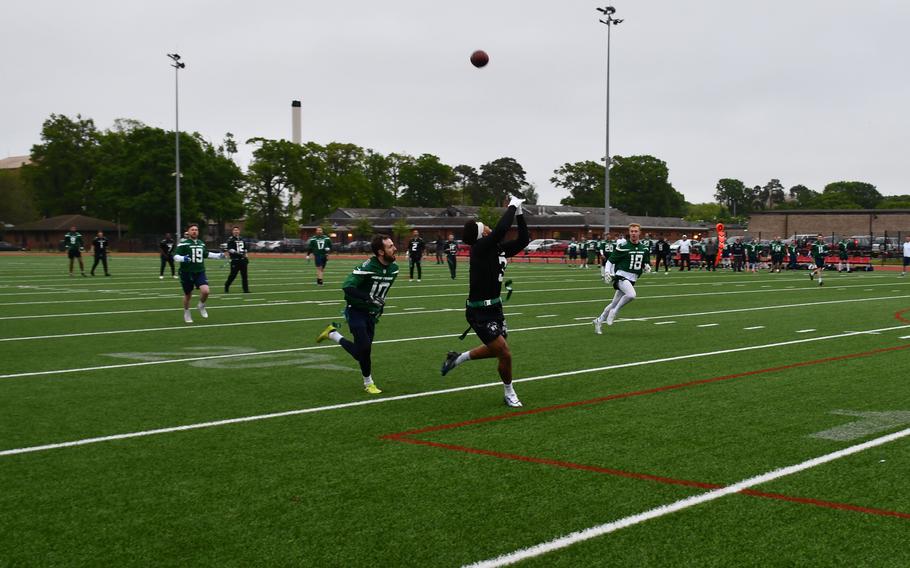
(622, 262)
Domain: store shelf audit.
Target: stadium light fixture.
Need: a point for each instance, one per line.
(609, 21)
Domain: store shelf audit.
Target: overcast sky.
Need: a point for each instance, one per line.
(807, 91)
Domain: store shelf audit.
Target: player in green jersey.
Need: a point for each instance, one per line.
(606, 249)
(573, 251)
(319, 246)
(74, 246)
(819, 251)
(365, 291)
(191, 254)
(625, 265)
(593, 248)
(778, 250)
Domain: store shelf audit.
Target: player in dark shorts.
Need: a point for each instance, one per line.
(483, 309)
(191, 253)
(99, 248)
(818, 250)
(662, 252)
(451, 250)
(73, 243)
(236, 250)
(416, 246)
(167, 246)
(319, 246)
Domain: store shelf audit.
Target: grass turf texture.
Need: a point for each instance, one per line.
(326, 488)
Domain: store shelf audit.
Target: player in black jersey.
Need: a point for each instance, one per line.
(489, 257)
(236, 248)
(416, 247)
(99, 247)
(451, 248)
(167, 246)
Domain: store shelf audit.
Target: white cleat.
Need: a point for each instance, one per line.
(161, 278)
(512, 401)
(597, 326)
(187, 318)
(611, 315)
(202, 311)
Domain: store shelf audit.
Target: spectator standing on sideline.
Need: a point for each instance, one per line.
(236, 249)
(685, 250)
(738, 251)
(440, 249)
(167, 246)
(573, 251)
(793, 254)
(99, 248)
(777, 254)
(662, 252)
(906, 248)
(415, 255)
(710, 255)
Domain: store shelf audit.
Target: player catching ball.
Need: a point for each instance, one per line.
(191, 254)
(625, 265)
(489, 257)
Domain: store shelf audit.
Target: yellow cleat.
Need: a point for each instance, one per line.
(372, 389)
(325, 333)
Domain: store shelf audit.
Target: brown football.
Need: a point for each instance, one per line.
(479, 58)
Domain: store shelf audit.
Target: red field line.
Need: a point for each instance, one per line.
(408, 437)
(602, 399)
(899, 316)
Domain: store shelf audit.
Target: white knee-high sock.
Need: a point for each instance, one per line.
(616, 299)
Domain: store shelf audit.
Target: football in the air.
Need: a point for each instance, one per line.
(479, 58)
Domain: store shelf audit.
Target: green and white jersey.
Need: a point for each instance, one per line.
(647, 243)
(629, 259)
(319, 245)
(372, 278)
(73, 241)
(194, 253)
(593, 247)
(777, 248)
(843, 246)
(573, 247)
(819, 249)
(606, 246)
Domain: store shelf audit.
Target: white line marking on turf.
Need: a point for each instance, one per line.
(763, 327)
(625, 522)
(379, 400)
(804, 330)
(904, 337)
(409, 309)
(707, 325)
(586, 318)
(548, 316)
(663, 322)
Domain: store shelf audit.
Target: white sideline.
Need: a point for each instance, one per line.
(459, 295)
(587, 319)
(625, 522)
(311, 410)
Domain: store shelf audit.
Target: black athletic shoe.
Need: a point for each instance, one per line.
(449, 363)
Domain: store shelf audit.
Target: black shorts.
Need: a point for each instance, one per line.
(320, 260)
(819, 261)
(842, 256)
(74, 253)
(190, 280)
(487, 322)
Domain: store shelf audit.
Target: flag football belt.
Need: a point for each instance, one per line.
(483, 303)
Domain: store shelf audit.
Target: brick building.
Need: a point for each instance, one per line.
(544, 221)
(840, 222)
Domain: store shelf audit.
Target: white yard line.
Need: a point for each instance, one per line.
(707, 325)
(311, 410)
(756, 327)
(657, 512)
(664, 322)
(548, 316)
(399, 298)
(804, 330)
(391, 314)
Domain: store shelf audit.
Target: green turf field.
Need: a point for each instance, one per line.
(128, 438)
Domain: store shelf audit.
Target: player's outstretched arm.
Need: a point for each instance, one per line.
(513, 247)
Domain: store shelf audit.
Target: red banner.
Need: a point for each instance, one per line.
(721, 241)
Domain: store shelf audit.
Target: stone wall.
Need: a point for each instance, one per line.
(841, 223)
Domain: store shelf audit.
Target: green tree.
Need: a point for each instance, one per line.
(583, 180)
(17, 202)
(502, 178)
(639, 185)
(530, 194)
(894, 202)
(802, 195)
(427, 182)
(733, 194)
(772, 194)
(863, 194)
(707, 212)
(400, 230)
(379, 179)
(363, 228)
(488, 215)
(64, 166)
(468, 187)
(276, 173)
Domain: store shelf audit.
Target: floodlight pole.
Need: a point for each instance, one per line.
(608, 21)
(177, 65)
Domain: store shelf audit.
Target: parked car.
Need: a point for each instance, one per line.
(886, 245)
(291, 245)
(355, 246)
(558, 247)
(8, 247)
(536, 244)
